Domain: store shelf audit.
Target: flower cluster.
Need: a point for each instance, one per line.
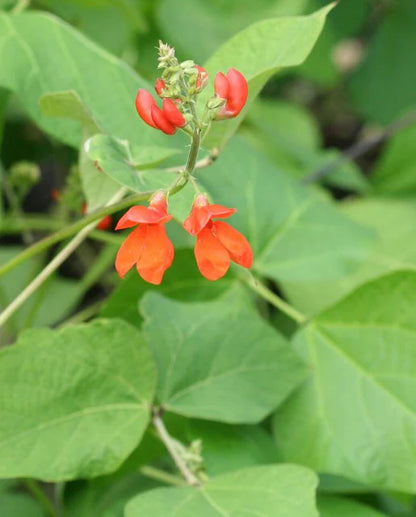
(217, 243)
(150, 250)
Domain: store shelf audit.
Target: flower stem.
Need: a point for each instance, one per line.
(255, 285)
(193, 153)
(169, 443)
(40, 496)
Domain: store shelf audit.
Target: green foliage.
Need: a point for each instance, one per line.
(14, 505)
(72, 404)
(361, 351)
(205, 371)
(390, 64)
(295, 234)
(338, 507)
(274, 491)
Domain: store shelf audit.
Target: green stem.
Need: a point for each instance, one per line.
(193, 153)
(161, 475)
(170, 445)
(263, 291)
(21, 5)
(40, 496)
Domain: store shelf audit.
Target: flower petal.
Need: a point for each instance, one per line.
(172, 113)
(142, 214)
(161, 121)
(212, 258)
(156, 254)
(144, 104)
(197, 219)
(221, 86)
(129, 251)
(238, 92)
(235, 243)
(160, 86)
(221, 211)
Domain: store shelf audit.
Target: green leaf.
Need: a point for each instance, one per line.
(338, 507)
(383, 87)
(182, 281)
(272, 491)
(41, 54)
(356, 415)
(395, 171)
(295, 234)
(218, 360)
(393, 222)
(75, 402)
(289, 136)
(259, 52)
(219, 19)
(68, 104)
(19, 505)
(232, 447)
(126, 163)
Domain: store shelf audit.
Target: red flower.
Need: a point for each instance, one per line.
(217, 243)
(167, 119)
(234, 89)
(148, 245)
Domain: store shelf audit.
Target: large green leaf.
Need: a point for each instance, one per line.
(270, 491)
(220, 21)
(383, 87)
(356, 415)
(295, 234)
(394, 224)
(218, 360)
(259, 52)
(75, 402)
(41, 54)
(338, 507)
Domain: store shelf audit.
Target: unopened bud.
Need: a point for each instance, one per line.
(216, 103)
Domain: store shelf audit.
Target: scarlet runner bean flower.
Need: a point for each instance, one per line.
(167, 119)
(217, 243)
(234, 89)
(148, 246)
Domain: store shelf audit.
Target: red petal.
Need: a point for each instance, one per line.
(197, 219)
(156, 254)
(221, 211)
(238, 92)
(236, 244)
(142, 214)
(221, 86)
(162, 122)
(159, 86)
(129, 251)
(212, 258)
(144, 104)
(171, 112)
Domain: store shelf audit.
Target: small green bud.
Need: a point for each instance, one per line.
(215, 103)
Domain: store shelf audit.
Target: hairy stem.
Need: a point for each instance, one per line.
(170, 445)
